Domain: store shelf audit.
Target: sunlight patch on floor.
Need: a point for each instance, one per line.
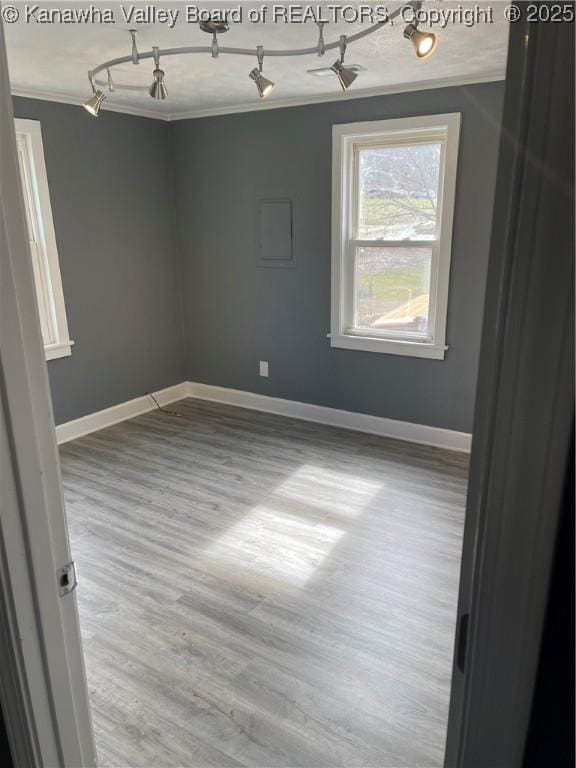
(335, 492)
(273, 543)
(271, 540)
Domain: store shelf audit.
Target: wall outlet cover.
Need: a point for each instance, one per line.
(264, 368)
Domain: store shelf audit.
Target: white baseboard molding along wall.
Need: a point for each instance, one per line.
(85, 425)
(361, 422)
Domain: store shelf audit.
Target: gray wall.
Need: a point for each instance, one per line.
(112, 188)
(111, 196)
(237, 314)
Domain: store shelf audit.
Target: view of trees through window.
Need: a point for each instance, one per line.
(393, 289)
(397, 203)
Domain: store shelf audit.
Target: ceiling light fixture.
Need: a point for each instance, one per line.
(134, 52)
(424, 42)
(158, 89)
(93, 104)
(345, 75)
(264, 86)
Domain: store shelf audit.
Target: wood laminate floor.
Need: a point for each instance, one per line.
(259, 591)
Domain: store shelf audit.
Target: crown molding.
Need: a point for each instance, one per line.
(63, 98)
(418, 85)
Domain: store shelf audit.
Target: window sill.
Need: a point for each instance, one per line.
(389, 346)
(61, 349)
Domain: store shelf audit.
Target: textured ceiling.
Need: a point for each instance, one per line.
(52, 59)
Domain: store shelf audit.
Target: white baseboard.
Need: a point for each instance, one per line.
(361, 422)
(71, 430)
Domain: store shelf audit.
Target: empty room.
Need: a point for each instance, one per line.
(256, 260)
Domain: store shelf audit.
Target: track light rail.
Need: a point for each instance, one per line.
(424, 43)
(191, 49)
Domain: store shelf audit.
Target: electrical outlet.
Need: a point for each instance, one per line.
(264, 368)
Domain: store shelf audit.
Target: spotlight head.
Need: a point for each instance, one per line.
(265, 86)
(345, 76)
(158, 89)
(424, 42)
(93, 104)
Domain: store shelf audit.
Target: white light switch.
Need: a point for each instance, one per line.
(264, 368)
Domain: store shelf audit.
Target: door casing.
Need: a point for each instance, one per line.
(43, 688)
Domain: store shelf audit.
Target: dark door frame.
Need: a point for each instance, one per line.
(525, 407)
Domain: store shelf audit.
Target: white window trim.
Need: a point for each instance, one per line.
(48, 282)
(344, 139)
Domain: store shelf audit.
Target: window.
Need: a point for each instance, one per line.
(392, 206)
(42, 240)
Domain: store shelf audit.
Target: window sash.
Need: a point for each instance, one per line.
(42, 239)
(408, 140)
(353, 243)
(40, 266)
(351, 294)
(348, 140)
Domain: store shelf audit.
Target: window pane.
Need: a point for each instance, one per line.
(392, 289)
(41, 278)
(398, 192)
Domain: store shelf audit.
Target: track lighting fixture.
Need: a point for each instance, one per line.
(93, 104)
(217, 24)
(345, 75)
(424, 42)
(158, 90)
(134, 52)
(264, 86)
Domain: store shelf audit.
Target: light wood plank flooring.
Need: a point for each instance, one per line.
(259, 591)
